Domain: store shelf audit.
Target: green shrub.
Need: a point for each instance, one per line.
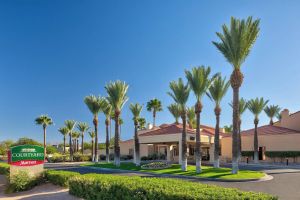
(60, 178)
(101, 186)
(82, 158)
(21, 181)
(126, 157)
(247, 153)
(282, 154)
(4, 168)
(154, 156)
(51, 150)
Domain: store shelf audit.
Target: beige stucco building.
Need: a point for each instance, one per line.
(284, 135)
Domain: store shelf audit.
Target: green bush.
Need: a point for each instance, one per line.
(82, 158)
(60, 178)
(247, 153)
(154, 156)
(282, 154)
(101, 186)
(4, 168)
(57, 157)
(51, 150)
(21, 181)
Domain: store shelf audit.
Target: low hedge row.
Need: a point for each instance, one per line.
(274, 154)
(4, 168)
(247, 153)
(102, 186)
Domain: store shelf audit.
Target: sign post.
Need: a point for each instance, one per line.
(28, 158)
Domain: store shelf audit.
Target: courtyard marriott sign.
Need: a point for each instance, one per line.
(26, 155)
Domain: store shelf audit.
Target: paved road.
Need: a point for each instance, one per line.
(286, 182)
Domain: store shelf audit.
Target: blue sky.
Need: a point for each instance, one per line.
(54, 53)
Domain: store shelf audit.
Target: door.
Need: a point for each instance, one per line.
(261, 153)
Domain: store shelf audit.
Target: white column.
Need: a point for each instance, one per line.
(169, 149)
(211, 153)
(180, 152)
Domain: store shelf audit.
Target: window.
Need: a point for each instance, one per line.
(191, 150)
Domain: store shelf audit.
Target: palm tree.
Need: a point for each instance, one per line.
(136, 110)
(272, 111)
(121, 122)
(64, 131)
(228, 129)
(95, 104)
(180, 94)
(82, 127)
(45, 121)
(107, 112)
(142, 123)
(199, 82)
(191, 117)
(92, 135)
(174, 109)
(117, 97)
(75, 136)
(235, 45)
(256, 106)
(70, 124)
(217, 91)
(154, 106)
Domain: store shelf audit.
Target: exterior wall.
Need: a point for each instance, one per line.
(289, 121)
(287, 142)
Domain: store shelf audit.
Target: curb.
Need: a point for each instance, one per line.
(265, 178)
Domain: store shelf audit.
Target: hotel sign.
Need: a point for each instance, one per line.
(26, 155)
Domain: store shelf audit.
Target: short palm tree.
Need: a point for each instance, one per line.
(236, 43)
(217, 91)
(180, 94)
(70, 124)
(44, 121)
(272, 111)
(142, 123)
(92, 135)
(107, 112)
(83, 128)
(174, 109)
(95, 104)
(154, 106)
(256, 106)
(199, 81)
(191, 117)
(117, 97)
(64, 131)
(136, 110)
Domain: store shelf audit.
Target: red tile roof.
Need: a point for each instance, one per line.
(270, 130)
(177, 128)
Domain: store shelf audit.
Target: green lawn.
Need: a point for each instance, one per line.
(207, 172)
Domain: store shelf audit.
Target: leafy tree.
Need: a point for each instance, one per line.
(70, 124)
(272, 111)
(136, 110)
(217, 91)
(44, 121)
(95, 105)
(154, 106)
(82, 127)
(199, 81)
(51, 150)
(4, 146)
(117, 97)
(180, 94)
(235, 45)
(26, 141)
(256, 106)
(64, 131)
(174, 109)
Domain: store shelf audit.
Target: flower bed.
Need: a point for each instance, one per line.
(156, 165)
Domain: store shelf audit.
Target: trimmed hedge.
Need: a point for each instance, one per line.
(60, 178)
(4, 168)
(247, 153)
(282, 154)
(102, 186)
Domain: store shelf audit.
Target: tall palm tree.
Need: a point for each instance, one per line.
(70, 124)
(92, 135)
(121, 122)
(235, 45)
(199, 82)
(64, 131)
(191, 117)
(44, 121)
(256, 106)
(142, 123)
(154, 106)
(95, 104)
(180, 94)
(174, 109)
(117, 97)
(136, 110)
(217, 91)
(75, 136)
(272, 111)
(107, 112)
(82, 127)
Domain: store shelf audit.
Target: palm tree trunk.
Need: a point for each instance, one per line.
(107, 141)
(137, 145)
(82, 148)
(64, 145)
(255, 142)
(154, 115)
(184, 144)
(77, 147)
(240, 140)
(70, 146)
(235, 117)
(96, 140)
(117, 140)
(45, 149)
(217, 139)
(198, 108)
(92, 149)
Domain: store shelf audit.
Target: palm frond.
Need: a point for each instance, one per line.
(136, 110)
(272, 111)
(117, 94)
(83, 127)
(154, 104)
(43, 120)
(179, 92)
(64, 131)
(174, 109)
(218, 89)
(257, 105)
(70, 124)
(94, 103)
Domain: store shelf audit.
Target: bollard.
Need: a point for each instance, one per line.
(247, 160)
(287, 161)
